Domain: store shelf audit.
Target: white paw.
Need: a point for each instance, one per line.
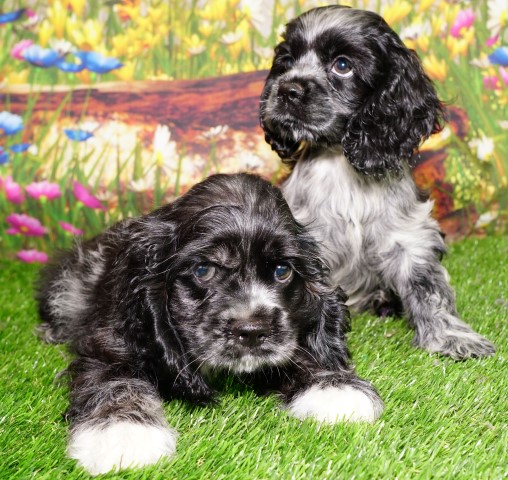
(336, 404)
(118, 445)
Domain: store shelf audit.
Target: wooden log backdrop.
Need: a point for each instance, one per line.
(190, 107)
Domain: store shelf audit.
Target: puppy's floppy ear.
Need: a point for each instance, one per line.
(145, 303)
(280, 141)
(324, 307)
(388, 128)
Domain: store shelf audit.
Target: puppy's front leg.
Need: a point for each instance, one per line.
(116, 419)
(429, 302)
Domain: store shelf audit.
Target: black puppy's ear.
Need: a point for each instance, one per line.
(388, 128)
(153, 244)
(280, 141)
(324, 309)
(326, 342)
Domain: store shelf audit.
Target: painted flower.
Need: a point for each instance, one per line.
(70, 228)
(10, 123)
(43, 190)
(497, 16)
(11, 16)
(85, 197)
(503, 73)
(13, 191)
(70, 67)
(463, 21)
(491, 82)
(32, 256)
(499, 56)
(95, 62)
(25, 225)
(77, 135)
(19, 48)
(484, 147)
(4, 156)
(41, 57)
(20, 147)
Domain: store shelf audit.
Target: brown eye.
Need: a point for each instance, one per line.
(204, 272)
(342, 67)
(283, 273)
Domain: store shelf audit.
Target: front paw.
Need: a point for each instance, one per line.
(329, 404)
(457, 343)
(118, 445)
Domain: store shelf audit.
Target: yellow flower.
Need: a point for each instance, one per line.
(424, 5)
(77, 6)
(460, 46)
(121, 44)
(57, 15)
(436, 141)
(218, 9)
(17, 77)
(126, 73)
(87, 36)
(435, 69)
(396, 12)
(195, 45)
(206, 28)
(46, 31)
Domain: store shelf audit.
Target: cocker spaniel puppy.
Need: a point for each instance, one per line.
(222, 280)
(347, 104)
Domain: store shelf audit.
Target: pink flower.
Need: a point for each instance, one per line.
(32, 256)
(17, 50)
(85, 197)
(43, 189)
(491, 40)
(26, 225)
(503, 72)
(491, 82)
(71, 228)
(464, 19)
(13, 192)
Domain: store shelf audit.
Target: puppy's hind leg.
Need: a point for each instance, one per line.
(117, 420)
(429, 302)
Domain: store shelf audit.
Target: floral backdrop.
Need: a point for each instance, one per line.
(111, 107)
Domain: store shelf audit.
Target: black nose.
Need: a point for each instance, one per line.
(291, 91)
(250, 333)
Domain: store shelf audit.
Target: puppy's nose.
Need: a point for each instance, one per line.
(251, 333)
(292, 91)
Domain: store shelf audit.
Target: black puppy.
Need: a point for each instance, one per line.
(223, 279)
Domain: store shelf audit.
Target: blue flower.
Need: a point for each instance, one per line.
(97, 63)
(70, 67)
(10, 123)
(41, 57)
(78, 135)
(11, 16)
(4, 157)
(499, 56)
(20, 147)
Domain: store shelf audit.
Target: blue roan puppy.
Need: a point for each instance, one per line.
(347, 104)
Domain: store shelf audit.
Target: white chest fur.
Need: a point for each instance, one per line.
(357, 220)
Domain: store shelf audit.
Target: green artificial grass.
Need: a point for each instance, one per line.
(443, 419)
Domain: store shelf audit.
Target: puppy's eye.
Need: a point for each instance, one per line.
(283, 273)
(342, 67)
(204, 272)
(287, 61)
